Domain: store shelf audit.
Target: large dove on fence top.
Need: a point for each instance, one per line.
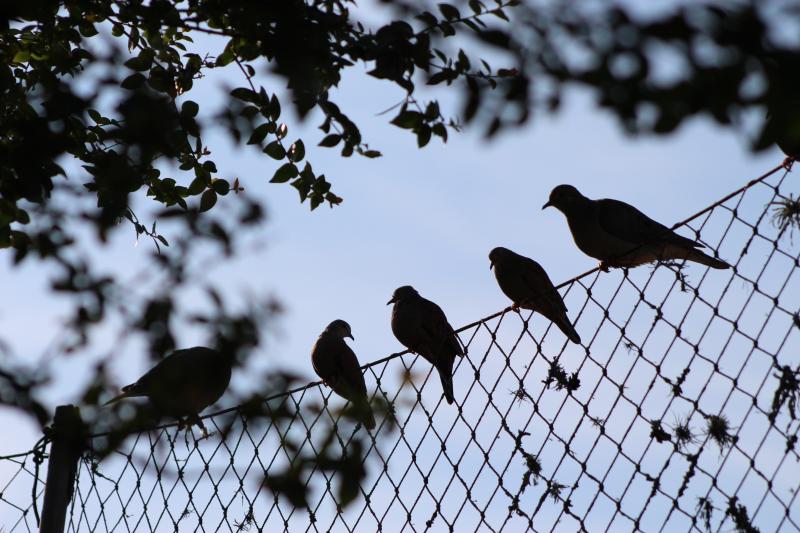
(336, 363)
(619, 235)
(527, 284)
(183, 383)
(422, 327)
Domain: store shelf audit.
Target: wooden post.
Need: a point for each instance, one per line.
(65, 450)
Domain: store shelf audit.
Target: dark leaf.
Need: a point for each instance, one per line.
(499, 13)
(442, 75)
(423, 135)
(134, 81)
(245, 94)
(141, 62)
(275, 150)
(408, 119)
(297, 151)
(259, 134)
(289, 485)
(94, 115)
(274, 107)
(197, 186)
(428, 18)
(498, 38)
(450, 12)
(286, 172)
(208, 200)
(440, 130)
(221, 186)
(190, 108)
(330, 140)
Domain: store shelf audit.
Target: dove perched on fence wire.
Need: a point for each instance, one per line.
(619, 235)
(527, 284)
(422, 327)
(184, 383)
(337, 365)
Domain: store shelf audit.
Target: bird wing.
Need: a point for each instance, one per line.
(336, 363)
(436, 326)
(350, 372)
(407, 326)
(190, 365)
(185, 382)
(631, 225)
(542, 289)
(324, 365)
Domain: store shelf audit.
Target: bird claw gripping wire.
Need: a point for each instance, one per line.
(188, 422)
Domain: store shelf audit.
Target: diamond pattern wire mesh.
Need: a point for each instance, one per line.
(20, 479)
(677, 414)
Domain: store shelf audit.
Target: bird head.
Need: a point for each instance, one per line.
(399, 293)
(564, 197)
(340, 328)
(497, 254)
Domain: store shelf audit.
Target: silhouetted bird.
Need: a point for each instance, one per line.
(422, 327)
(619, 235)
(338, 367)
(183, 383)
(784, 129)
(527, 284)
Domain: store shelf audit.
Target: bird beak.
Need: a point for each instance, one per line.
(548, 204)
(390, 302)
(351, 337)
(491, 265)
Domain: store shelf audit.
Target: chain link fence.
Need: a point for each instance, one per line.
(21, 487)
(678, 413)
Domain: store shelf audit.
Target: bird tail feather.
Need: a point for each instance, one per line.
(368, 418)
(117, 398)
(699, 257)
(447, 386)
(568, 329)
(128, 391)
(456, 345)
(360, 410)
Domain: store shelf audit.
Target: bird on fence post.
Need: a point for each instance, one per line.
(337, 365)
(527, 284)
(422, 327)
(621, 236)
(184, 383)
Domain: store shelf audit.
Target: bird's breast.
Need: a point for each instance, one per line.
(512, 285)
(593, 240)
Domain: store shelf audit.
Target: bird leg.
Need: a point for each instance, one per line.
(206, 434)
(183, 424)
(193, 420)
(515, 307)
(787, 163)
(603, 266)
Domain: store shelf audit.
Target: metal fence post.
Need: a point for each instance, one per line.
(66, 447)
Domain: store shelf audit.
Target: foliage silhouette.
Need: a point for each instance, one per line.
(56, 123)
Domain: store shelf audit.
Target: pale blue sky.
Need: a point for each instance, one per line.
(422, 217)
